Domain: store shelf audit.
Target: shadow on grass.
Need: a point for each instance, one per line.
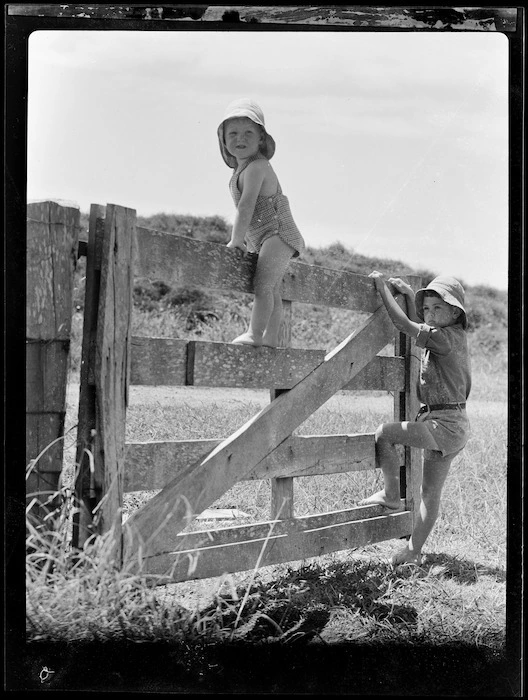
(296, 606)
(329, 602)
(462, 570)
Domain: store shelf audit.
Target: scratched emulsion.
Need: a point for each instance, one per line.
(502, 19)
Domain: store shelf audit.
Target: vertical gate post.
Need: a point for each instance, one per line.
(282, 488)
(107, 391)
(84, 482)
(112, 367)
(406, 405)
(52, 241)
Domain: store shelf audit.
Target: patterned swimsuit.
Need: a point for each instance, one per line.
(272, 217)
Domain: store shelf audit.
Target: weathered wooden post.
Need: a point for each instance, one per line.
(406, 405)
(52, 240)
(84, 482)
(282, 488)
(105, 377)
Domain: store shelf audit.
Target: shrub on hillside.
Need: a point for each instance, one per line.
(204, 228)
(486, 307)
(157, 296)
(185, 295)
(148, 295)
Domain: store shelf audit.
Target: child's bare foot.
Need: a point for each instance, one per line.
(247, 339)
(270, 340)
(380, 499)
(405, 556)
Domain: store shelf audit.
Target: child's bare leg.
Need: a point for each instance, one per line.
(388, 435)
(272, 262)
(271, 334)
(435, 472)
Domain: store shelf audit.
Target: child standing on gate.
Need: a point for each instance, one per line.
(437, 319)
(263, 221)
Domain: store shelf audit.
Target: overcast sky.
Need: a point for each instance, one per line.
(395, 144)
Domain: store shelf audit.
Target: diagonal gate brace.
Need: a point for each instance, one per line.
(152, 528)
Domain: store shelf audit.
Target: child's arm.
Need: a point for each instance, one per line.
(253, 179)
(408, 291)
(400, 319)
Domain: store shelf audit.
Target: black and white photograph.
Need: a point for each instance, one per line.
(264, 291)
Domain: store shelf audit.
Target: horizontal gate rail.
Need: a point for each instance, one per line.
(206, 554)
(217, 267)
(151, 464)
(175, 362)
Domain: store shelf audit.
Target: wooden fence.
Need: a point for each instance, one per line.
(52, 239)
(192, 474)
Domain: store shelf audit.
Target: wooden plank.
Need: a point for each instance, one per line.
(86, 424)
(406, 406)
(151, 465)
(383, 373)
(313, 455)
(51, 234)
(112, 365)
(177, 362)
(413, 456)
(46, 375)
(158, 361)
(363, 17)
(273, 546)
(203, 482)
(42, 485)
(43, 429)
(237, 534)
(282, 505)
(182, 261)
(224, 364)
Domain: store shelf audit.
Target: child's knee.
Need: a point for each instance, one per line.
(379, 435)
(264, 286)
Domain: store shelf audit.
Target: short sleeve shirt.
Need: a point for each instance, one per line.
(445, 372)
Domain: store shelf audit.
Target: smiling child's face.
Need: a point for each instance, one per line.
(242, 137)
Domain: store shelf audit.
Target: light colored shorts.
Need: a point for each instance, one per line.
(450, 428)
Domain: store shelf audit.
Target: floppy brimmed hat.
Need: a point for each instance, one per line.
(244, 107)
(449, 289)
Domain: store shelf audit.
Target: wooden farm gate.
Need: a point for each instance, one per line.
(193, 474)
